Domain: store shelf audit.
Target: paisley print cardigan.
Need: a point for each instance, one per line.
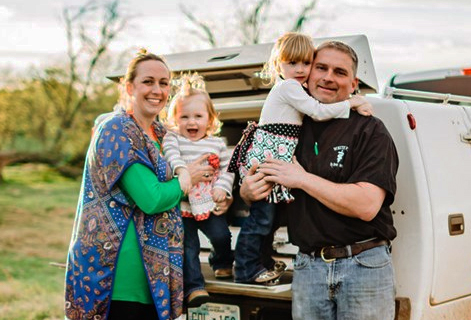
(103, 215)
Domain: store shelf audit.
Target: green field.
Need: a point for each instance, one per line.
(37, 209)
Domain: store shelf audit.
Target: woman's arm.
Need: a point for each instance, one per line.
(152, 196)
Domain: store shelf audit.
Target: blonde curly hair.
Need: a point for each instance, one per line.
(188, 85)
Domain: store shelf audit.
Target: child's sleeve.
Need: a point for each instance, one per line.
(171, 149)
(294, 94)
(225, 179)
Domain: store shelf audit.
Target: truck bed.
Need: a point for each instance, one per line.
(281, 291)
(252, 301)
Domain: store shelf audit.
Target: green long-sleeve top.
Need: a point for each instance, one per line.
(152, 197)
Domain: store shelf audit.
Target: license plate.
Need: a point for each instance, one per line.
(214, 311)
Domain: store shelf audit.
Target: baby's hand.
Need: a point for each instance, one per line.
(365, 109)
(361, 105)
(219, 195)
(184, 178)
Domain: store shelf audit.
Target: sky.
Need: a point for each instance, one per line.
(404, 35)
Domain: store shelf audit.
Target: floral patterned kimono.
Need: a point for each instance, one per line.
(102, 218)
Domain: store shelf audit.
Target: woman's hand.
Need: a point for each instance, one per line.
(200, 170)
(290, 175)
(254, 187)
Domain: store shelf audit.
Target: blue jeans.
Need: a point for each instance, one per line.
(356, 288)
(221, 257)
(248, 251)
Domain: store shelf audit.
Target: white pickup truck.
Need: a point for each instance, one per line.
(432, 132)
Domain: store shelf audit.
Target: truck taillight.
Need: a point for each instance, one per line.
(411, 120)
(466, 71)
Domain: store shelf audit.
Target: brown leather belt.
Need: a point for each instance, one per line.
(330, 254)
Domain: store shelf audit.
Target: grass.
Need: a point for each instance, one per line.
(37, 209)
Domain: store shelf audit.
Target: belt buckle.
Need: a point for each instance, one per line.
(323, 258)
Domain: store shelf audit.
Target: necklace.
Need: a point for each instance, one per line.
(156, 139)
(153, 136)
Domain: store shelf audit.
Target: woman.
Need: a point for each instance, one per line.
(125, 256)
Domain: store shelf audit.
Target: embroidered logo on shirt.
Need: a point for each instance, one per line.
(341, 151)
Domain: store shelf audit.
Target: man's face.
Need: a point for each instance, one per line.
(331, 79)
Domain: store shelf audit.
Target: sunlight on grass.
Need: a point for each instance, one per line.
(38, 208)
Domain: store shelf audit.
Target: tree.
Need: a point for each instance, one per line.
(60, 103)
(70, 98)
(303, 16)
(203, 31)
(251, 19)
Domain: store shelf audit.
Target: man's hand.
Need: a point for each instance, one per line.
(200, 170)
(290, 175)
(254, 187)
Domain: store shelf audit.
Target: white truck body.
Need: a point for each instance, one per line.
(432, 209)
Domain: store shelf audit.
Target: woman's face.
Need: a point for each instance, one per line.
(150, 88)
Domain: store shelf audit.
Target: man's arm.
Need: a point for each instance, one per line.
(360, 200)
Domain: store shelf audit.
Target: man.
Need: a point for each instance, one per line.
(343, 184)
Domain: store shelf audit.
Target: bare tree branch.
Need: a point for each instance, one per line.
(91, 50)
(14, 157)
(303, 16)
(251, 22)
(204, 32)
(251, 18)
(112, 24)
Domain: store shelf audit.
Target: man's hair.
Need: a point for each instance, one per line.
(342, 47)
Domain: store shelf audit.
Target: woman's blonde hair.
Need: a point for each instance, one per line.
(188, 85)
(131, 73)
(291, 46)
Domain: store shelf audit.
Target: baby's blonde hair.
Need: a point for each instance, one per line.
(291, 46)
(188, 85)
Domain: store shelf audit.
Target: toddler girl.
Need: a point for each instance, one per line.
(193, 123)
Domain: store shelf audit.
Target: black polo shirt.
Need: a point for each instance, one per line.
(358, 149)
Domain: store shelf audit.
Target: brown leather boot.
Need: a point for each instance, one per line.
(224, 273)
(197, 298)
